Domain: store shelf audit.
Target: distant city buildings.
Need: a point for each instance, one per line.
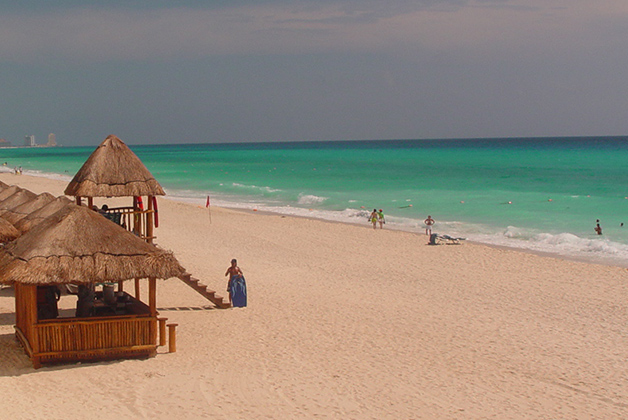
(29, 141)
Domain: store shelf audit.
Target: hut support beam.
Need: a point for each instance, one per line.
(152, 305)
(152, 295)
(137, 289)
(30, 296)
(150, 219)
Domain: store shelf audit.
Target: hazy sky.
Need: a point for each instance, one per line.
(282, 70)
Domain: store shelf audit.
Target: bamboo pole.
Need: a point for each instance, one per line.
(32, 323)
(172, 338)
(137, 289)
(162, 331)
(149, 220)
(152, 295)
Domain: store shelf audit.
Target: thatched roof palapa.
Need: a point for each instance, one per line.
(8, 232)
(8, 192)
(78, 245)
(25, 224)
(17, 213)
(20, 197)
(113, 170)
(3, 186)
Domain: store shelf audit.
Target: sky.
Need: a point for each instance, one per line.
(220, 71)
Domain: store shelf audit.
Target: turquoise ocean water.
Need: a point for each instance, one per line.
(541, 194)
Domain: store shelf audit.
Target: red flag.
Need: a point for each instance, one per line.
(207, 204)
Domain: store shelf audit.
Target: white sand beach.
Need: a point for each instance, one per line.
(344, 322)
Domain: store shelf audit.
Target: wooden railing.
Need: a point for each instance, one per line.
(133, 220)
(96, 337)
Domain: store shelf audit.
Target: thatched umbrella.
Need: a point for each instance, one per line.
(3, 186)
(17, 213)
(8, 232)
(8, 192)
(113, 170)
(25, 224)
(77, 245)
(20, 197)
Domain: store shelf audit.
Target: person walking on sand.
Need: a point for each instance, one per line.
(380, 218)
(236, 285)
(373, 218)
(429, 222)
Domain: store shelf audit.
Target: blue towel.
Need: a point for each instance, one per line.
(238, 291)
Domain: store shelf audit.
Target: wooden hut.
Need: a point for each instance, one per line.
(113, 170)
(79, 246)
(16, 213)
(37, 216)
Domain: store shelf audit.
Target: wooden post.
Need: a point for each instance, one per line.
(149, 220)
(121, 286)
(137, 217)
(18, 302)
(31, 319)
(162, 331)
(137, 289)
(172, 338)
(78, 200)
(152, 295)
(90, 202)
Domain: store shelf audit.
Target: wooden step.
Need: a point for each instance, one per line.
(210, 295)
(223, 305)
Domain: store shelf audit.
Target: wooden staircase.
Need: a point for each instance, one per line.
(202, 289)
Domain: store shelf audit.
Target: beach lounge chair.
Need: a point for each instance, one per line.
(450, 240)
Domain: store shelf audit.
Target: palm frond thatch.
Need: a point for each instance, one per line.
(113, 170)
(78, 245)
(17, 213)
(8, 232)
(20, 197)
(25, 224)
(8, 192)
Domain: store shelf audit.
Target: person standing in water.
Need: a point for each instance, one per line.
(598, 228)
(429, 222)
(380, 218)
(373, 218)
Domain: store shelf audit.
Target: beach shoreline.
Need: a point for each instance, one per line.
(348, 323)
(595, 249)
(368, 225)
